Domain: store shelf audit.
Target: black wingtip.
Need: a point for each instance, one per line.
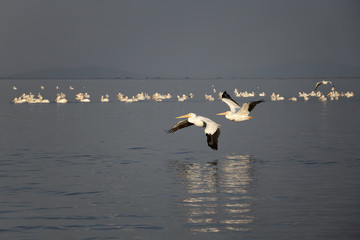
(212, 139)
(225, 95)
(169, 131)
(213, 146)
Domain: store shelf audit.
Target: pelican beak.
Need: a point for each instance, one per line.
(224, 113)
(184, 116)
(250, 117)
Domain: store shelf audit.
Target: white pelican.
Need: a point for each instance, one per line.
(243, 113)
(106, 99)
(349, 94)
(17, 100)
(61, 98)
(209, 97)
(212, 129)
(276, 97)
(324, 82)
(263, 94)
(183, 98)
(333, 95)
(322, 98)
(83, 97)
(40, 99)
(14, 88)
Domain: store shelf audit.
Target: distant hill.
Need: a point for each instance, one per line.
(83, 72)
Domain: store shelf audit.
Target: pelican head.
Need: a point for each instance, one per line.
(189, 115)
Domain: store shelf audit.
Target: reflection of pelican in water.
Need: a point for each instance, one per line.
(218, 197)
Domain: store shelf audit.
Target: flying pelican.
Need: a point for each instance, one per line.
(243, 113)
(212, 129)
(324, 82)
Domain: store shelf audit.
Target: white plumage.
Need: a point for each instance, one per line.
(212, 129)
(242, 114)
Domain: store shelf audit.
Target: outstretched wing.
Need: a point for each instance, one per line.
(226, 98)
(180, 125)
(317, 85)
(246, 108)
(212, 139)
(254, 103)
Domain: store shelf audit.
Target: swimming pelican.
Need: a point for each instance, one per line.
(324, 82)
(263, 94)
(40, 99)
(243, 113)
(17, 100)
(322, 98)
(60, 99)
(183, 98)
(209, 97)
(105, 99)
(82, 97)
(212, 129)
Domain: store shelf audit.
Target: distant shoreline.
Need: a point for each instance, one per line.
(170, 78)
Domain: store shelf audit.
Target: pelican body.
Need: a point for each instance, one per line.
(212, 129)
(243, 113)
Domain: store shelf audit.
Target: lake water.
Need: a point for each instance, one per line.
(109, 171)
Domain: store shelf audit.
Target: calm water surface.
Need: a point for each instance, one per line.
(109, 171)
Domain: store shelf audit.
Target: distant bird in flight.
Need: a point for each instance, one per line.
(212, 129)
(243, 113)
(324, 82)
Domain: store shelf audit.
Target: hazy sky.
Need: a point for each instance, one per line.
(176, 37)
